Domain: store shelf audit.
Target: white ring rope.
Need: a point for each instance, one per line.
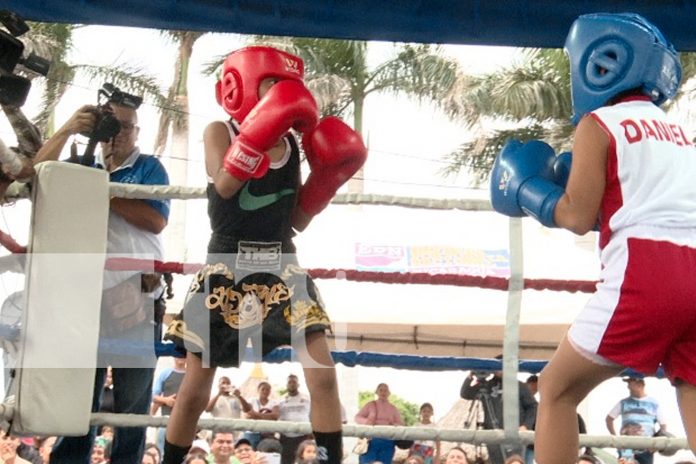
(13, 263)
(152, 192)
(186, 193)
(396, 433)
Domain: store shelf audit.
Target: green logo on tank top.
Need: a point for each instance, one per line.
(250, 202)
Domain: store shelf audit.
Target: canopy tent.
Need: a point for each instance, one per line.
(537, 341)
(536, 23)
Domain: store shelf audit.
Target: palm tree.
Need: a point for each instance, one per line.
(527, 101)
(177, 119)
(419, 71)
(177, 96)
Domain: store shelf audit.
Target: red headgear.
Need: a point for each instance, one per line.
(237, 91)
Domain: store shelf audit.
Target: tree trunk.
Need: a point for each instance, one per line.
(175, 233)
(357, 183)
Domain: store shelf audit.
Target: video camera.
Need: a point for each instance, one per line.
(107, 126)
(13, 56)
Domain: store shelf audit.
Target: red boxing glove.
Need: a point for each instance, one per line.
(286, 104)
(335, 152)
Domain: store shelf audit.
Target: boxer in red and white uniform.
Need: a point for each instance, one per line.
(252, 286)
(632, 175)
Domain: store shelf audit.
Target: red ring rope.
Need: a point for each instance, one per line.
(459, 280)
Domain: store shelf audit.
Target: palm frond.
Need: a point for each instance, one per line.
(686, 90)
(420, 71)
(59, 77)
(213, 66)
(530, 93)
(50, 40)
(477, 156)
(130, 78)
(329, 91)
(469, 99)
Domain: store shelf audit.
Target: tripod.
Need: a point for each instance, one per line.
(474, 420)
(483, 403)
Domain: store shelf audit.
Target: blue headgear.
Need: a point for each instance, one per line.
(612, 53)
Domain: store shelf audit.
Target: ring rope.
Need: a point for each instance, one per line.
(7, 241)
(392, 432)
(154, 192)
(460, 280)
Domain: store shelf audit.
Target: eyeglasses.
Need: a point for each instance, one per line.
(127, 126)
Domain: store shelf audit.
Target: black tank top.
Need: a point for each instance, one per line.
(260, 211)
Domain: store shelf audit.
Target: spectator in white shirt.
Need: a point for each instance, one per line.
(294, 407)
(225, 404)
(261, 407)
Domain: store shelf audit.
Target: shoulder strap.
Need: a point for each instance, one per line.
(232, 127)
(294, 145)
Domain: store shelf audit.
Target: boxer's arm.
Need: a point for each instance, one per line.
(578, 208)
(216, 141)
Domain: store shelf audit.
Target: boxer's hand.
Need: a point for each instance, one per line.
(287, 104)
(334, 152)
(522, 181)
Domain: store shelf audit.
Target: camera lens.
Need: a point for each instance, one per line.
(107, 128)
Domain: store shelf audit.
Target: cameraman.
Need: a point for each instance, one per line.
(488, 388)
(133, 230)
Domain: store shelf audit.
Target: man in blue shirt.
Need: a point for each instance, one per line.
(127, 300)
(164, 392)
(639, 414)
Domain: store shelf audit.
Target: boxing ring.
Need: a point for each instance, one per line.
(45, 400)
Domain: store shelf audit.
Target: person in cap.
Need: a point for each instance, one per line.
(631, 176)
(245, 453)
(639, 415)
(201, 446)
(252, 287)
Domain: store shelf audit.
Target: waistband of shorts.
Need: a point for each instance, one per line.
(220, 244)
(684, 236)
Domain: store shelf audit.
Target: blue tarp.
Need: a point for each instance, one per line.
(531, 23)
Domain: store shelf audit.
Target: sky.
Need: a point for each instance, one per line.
(407, 142)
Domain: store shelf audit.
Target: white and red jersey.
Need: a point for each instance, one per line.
(643, 313)
(651, 169)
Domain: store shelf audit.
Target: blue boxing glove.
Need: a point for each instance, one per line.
(561, 168)
(522, 181)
